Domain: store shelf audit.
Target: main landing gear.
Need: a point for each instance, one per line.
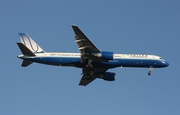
(89, 63)
(150, 70)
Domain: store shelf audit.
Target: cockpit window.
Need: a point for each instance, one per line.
(160, 58)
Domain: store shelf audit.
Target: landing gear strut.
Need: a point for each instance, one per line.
(90, 63)
(150, 70)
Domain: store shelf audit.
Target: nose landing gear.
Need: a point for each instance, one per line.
(150, 70)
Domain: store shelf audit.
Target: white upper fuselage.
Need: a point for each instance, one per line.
(116, 56)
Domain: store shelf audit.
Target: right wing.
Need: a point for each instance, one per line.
(89, 75)
(86, 79)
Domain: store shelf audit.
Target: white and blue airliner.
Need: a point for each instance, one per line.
(93, 62)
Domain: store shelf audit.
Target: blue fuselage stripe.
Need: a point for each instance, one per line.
(117, 62)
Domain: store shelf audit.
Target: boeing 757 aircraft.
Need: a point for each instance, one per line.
(93, 62)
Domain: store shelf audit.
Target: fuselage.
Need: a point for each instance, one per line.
(119, 60)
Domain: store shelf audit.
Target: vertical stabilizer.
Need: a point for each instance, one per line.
(30, 43)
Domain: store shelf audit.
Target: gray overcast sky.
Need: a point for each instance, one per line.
(121, 26)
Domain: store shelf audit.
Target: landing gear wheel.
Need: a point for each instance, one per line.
(91, 66)
(90, 63)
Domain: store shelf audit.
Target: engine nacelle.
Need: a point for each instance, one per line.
(104, 55)
(108, 76)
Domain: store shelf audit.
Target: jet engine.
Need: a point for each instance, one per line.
(104, 55)
(108, 76)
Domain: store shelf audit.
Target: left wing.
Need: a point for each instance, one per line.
(84, 44)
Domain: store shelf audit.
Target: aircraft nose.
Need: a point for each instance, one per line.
(165, 63)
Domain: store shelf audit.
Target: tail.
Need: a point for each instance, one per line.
(30, 43)
(28, 47)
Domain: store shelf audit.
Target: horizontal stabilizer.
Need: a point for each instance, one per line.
(25, 63)
(25, 50)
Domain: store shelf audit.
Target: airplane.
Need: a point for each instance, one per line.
(93, 62)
